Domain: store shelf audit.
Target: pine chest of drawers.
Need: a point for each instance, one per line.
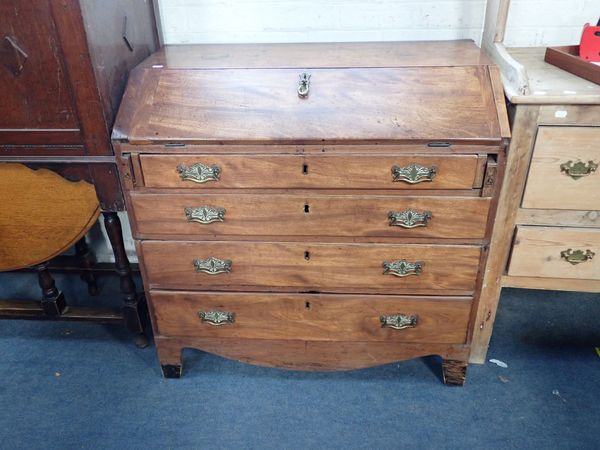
(313, 207)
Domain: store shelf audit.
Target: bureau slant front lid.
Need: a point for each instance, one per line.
(310, 105)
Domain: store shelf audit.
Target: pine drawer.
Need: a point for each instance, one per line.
(555, 252)
(563, 172)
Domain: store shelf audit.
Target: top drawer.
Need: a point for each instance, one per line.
(310, 171)
(563, 172)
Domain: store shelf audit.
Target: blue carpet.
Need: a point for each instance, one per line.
(86, 386)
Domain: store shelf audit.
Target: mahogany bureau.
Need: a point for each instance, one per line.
(313, 206)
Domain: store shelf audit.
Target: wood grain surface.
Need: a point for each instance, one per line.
(453, 104)
(367, 171)
(41, 215)
(537, 252)
(309, 215)
(305, 355)
(312, 317)
(311, 266)
(548, 187)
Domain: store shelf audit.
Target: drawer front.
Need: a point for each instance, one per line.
(556, 253)
(310, 215)
(309, 171)
(312, 317)
(563, 172)
(310, 266)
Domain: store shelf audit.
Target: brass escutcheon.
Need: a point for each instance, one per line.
(213, 266)
(577, 256)
(199, 173)
(398, 321)
(205, 214)
(402, 268)
(579, 169)
(413, 173)
(409, 218)
(217, 318)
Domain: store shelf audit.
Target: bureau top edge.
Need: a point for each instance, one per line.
(318, 55)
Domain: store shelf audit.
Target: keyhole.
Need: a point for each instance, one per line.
(307, 305)
(306, 208)
(304, 169)
(307, 255)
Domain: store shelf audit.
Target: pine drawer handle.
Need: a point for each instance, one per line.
(409, 218)
(398, 321)
(213, 266)
(217, 318)
(205, 214)
(579, 169)
(577, 256)
(402, 268)
(199, 173)
(413, 173)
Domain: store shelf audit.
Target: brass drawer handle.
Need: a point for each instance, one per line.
(577, 256)
(402, 268)
(199, 173)
(579, 169)
(409, 218)
(217, 318)
(205, 214)
(303, 84)
(398, 321)
(413, 173)
(213, 266)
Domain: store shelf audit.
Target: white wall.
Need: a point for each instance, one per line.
(233, 21)
(542, 23)
(530, 23)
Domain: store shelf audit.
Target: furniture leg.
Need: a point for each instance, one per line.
(170, 357)
(86, 260)
(53, 300)
(131, 307)
(454, 371)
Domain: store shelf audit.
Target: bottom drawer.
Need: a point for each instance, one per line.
(552, 252)
(311, 316)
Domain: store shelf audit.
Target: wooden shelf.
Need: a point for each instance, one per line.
(548, 83)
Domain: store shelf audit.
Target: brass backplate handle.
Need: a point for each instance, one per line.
(413, 173)
(402, 268)
(303, 84)
(579, 169)
(398, 321)
(217, 318)
(205, 214)
(577, 256)
(409, 218)
(199, 173)
(213, 266)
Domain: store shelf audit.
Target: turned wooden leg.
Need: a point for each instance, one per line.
(131, 307)
(170, 357)
(53, 300)
(86, 260)
(454, 371)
